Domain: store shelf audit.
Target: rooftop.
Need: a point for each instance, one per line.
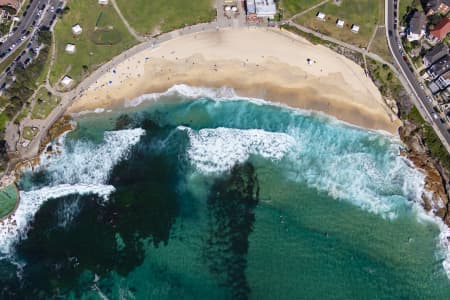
(417, 23)
(265, 8)
(442, 29)
(440, 67)
(435, 54)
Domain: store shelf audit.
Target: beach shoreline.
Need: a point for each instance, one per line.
(293, 72)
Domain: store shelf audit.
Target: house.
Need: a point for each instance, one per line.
(441, 30)
(261, 8)
(66, 81)
(433, 87)
(435, 54)
(11, 6)
(436, 6)
(417, 25)
(440, 67)
(103, 2)
(265, 8)
(251, 8)
(70, 48)
(445, 95)
(340, 23)
(355, 28)
(76, 29)
(443, 81)
(321, 16)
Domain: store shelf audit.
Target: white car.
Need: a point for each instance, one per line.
(435, 116)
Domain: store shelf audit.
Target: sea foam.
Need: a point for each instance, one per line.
(15, 227)
(345, 167)
(85, 162)
(218, 150)
(83, 168)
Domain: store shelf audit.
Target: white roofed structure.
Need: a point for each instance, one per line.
(66, 81)
(340, 23)
(321, 16)
(355, 28)
(70, 48)
(103, 2)
(76, 29)
(262, 8)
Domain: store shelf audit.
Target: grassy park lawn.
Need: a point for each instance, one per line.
(148, 17)
(103, 37)
(29, 133)
(8, 200)
(380, 46)
(45, 103)
(292, 7)
(365, 13)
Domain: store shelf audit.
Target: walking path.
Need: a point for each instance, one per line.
(308, 10)
(372, 37)
(127, 25)
(68, 97)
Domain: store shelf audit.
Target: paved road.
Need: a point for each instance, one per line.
(32, 14)
(424, 106)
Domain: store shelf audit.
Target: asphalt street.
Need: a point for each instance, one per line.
(427, 108)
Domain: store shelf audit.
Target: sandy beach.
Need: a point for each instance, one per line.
(261, 63)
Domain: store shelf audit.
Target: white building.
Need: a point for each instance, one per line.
(340, 23)
(265, 8)
(66, 81)
(76, 29)
(417, 26)
(321, 16)
(355, 28)
(103, 2)
(70, 48)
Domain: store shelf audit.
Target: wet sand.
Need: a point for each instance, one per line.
(268, 64)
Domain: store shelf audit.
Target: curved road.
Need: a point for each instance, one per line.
(424, 106)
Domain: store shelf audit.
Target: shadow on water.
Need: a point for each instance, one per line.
(102, 236)
(231, 204)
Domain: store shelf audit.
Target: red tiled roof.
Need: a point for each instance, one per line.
(442, 29)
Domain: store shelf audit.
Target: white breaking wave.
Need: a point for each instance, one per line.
(86, 162)
(188, 92)
(218, 150)
(16, 226)
(375, 181)
(83, 168)
(99, 110)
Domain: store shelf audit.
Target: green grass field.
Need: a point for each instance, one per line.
(29, 133)
(292, 7)
(44, 104)
(8, 200)
(148, 17)
(92, 48)
(380, 46)
(365, 13)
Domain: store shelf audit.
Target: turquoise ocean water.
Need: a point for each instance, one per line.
(221, 199)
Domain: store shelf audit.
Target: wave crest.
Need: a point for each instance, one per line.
(16, 226)
(218, 150)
